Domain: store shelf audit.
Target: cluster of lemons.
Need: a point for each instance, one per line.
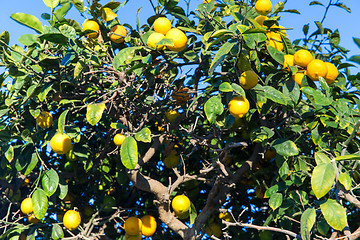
(136, 227)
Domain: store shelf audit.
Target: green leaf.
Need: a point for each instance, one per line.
(238, 89)
(9, 154)
(322, 179)
(54, 38)
(44, 91)
(28, 20)
(334, 214)
(322, 227)
(79, 67)
(40, 203)
(129, 153)
(274, 95)
(94, 112)
(220, 56)
(51, 3)
(33, 162)
(63, 188)
(320, 27)
(144, 135)
(285, 147)
(348, 157)
(284, 170)
(225, 87)
(79, 5)
(355, 58)
(213, 108)
(275, 201)
(261, 134)
(117, 125)
(57, 232)
(193, 213)
(357, 41)
(276, 54)
(50, 182)
(62, 121)
(123, 55)
(28, 39)
(321, 157)
(316, 3)
(343, 6)
(307, 222)
(345, 180)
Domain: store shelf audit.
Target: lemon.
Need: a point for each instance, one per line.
(315, 69)
(172, 159)
(60, 143)
(275, 40)
(44, 120)
(148, 225)
(302, 58)
(162, 25)
(248, 79)
(71, 219)
(119, 139)
(298, 77)
(118, 34)
(91, 25)
(133, 226)
(263, 7)
(226, 216)
(153, 39)
(181, 206)
(32, 219)
(239, 106)
(332, 73)
(171, 115)
(261, 19)
(288, 61)
(179, 39)
(26, 206)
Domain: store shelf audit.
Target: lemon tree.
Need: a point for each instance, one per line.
(203, 120)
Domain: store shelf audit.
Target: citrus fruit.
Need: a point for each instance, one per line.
(133, 226)
(60, 143)
(298, 77)
(172, 159)
(288, 61)
(44, 120)
(108, 203)
(248, 79)
(226, 216)
(162, 25)
(179, 39)
(332, 73)
(302, 58)
(148, 225)
(133, 237)
(26, 206)
(71, 219)
(239, 106)
(263, 7)
(275, 40)
(213, 229)
(109, 14)
(91, 25)
(32, 219)
(315, 69)
(207, 1)
(117, 34)
(153, 39)
(181, 96)
(171, 115)
(181, 206)
(260, 19)
(119, 139)
(279, 29)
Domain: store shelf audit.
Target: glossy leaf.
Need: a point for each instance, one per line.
(322, 179)
(348, 157)
(274, 95)
(261, 134)
(285, 147)
(40, 203)
(51, 3)
(276, 54)
(213, 108)
(225, 87)
(307, 222)
(144, 135)
(50, 182)
(123, 55)
(345, 180)
(275, 201)
(62, 121)
(28, 20)
(129, 153)
(94, 112)
(221, 55)
(57, 232)
(321, 157)
(33, 162)
(334, 214)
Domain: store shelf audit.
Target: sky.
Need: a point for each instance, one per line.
(337, 17)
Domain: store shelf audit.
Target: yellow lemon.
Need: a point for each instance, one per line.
(119, 139)
(226, 216)
(91, 25)
(172, 159)
(148, 225)
(133, 226)
(302, 58)
(153, 39)
(60, 143)
(181, 206)
(239, 106)
(260, 19)
(118, 34)
(263, 7)
(298, 77)
(315, 69)
(171, 115)
(71, 219)
(332, 73)
(179, 39)
(44, 120)
(275, 40)
(162, 25)
(32, 219)
(248, 79)
(26, 206)
(288, 61)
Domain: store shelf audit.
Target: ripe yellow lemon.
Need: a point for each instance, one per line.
(288, 61)
(275, 40)
(260, 19)
(118, 34)
(71, 219)
(109, 14)
(315, 69)
(171, 115)
(226, 216)
(332, 73)
(133, 226)
(213, 229)
(239, 106)
(298, 77)
(181, 96)
(91, 25)
(60, 143)
(153, 39)
(172, 159)
(279, 29)
(248, 79)
(181, 206)
(26, 206)
(148, 225)
(119, 139)
(44, 120)
(32, 219)
(263, 7)
(302, 58)
(179, 39)
(207, 1)
(162, 25)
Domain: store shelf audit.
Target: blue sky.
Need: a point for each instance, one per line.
(337, 18)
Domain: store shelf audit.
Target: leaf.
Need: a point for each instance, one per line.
(33, 162)
(322, 179)
(320, 27)
(334, 214)
(284, 170)
(51, 3)
(348, 157)
(274, 95)
(144, 135)
(316, 3)
(345, 180)
(343, 6)
(225, 87)
(193, 213)
(129, 153)
(275, 201)
(79, 5)
(62, 121)
(307, 222)
(285, 147)
(213, 107)
(63, 188)
(57, 232)
(276, 54)
(44, 91)
(355, 58)
(123, 55)
(117, 125)
(40, 203)
(306, 29)
(50, 182)
(54, 38)
(261, 134)
(79, 67)
(9, 154)
(357, 41)
(238, 89)
(321, 157)
(94, 112)
(28, 20)
(28, 39)
(221, 55)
